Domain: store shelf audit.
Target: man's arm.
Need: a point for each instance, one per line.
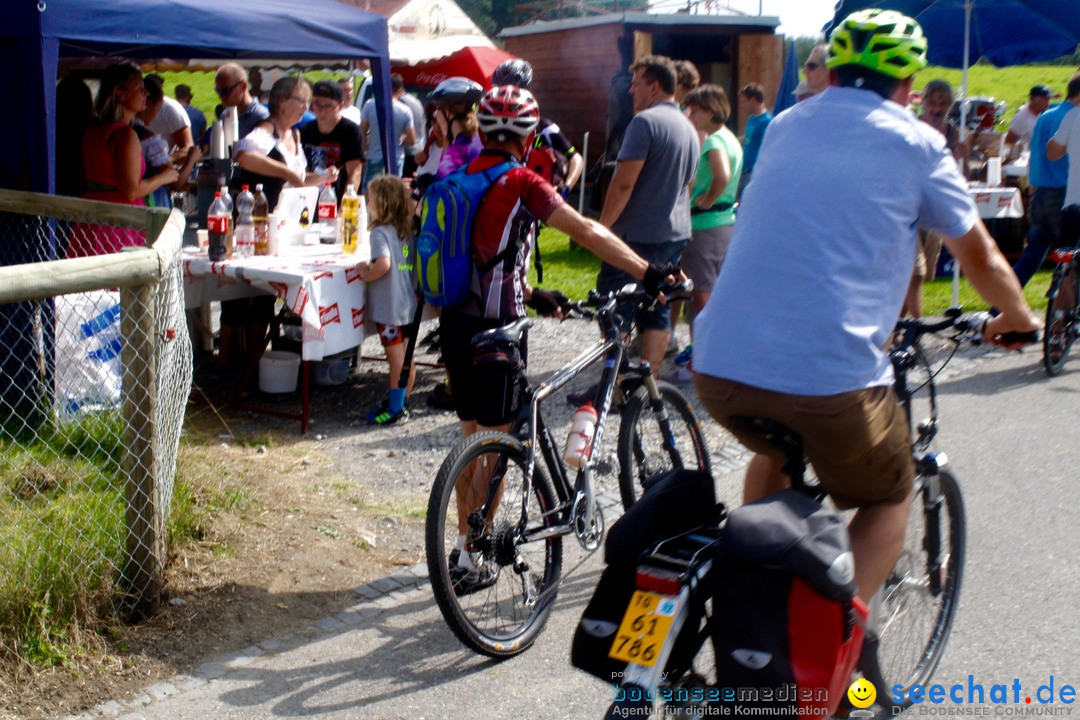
(355, 170)
(992, 276)
(364, 127)
(1054, 151)
(619, 190)
(1058, 145)
(182, 138)
(576, 164)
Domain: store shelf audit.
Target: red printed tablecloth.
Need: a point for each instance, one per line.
(998, 202)
(324, 290)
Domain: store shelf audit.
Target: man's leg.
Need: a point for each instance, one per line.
(1043, 229)
(764, 476)
(653, 346)
(877, 536)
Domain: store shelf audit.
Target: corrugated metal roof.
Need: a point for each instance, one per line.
(645, 19)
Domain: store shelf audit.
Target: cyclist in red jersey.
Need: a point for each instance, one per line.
(503, 227)
(502, 239)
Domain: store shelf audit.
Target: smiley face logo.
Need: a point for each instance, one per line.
(862, 693)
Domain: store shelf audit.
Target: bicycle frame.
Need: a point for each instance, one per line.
(576, 501)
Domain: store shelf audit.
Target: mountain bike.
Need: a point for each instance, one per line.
(910, 617)
(1062, 310)
(505, 500)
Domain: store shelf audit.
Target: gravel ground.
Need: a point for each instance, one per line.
(409, 455)
(399, 463)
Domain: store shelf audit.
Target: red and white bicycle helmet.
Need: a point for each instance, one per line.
(507, 111)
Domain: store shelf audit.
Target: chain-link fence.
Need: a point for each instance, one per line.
(95, 372)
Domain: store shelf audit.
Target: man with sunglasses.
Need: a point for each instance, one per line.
(817, 75)
(333, 137)
(231, 85)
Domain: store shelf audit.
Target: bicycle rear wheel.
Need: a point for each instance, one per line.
(498, 599)
(918, 601)
(657, 440)
(1061, 319)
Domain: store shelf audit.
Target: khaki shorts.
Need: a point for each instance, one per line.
(926, 255)
(858, 442)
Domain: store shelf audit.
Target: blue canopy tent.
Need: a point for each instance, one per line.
(36, 35)
(785, 96)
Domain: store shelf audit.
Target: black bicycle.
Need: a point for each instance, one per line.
(910, 617)
(502, 501)
(1062, 309)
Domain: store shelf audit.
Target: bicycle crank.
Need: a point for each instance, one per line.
(588, 526)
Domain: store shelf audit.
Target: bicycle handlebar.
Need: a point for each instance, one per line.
(632, 292)
(971, 324)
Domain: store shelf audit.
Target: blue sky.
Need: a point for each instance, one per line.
(797, 17)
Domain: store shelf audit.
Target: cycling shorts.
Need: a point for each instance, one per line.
(857, 442)
(489, 398)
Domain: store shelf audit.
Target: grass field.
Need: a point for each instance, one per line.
(573, 270)
(202, 86)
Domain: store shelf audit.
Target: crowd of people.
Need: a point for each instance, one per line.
(800, 237)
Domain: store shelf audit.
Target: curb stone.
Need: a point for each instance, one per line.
(378, 596)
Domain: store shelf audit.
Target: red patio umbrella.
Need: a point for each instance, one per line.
(475, 63)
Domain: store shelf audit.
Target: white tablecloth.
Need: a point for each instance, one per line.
(324, 290)
(998, 202)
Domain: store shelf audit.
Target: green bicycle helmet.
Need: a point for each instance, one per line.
(884, 41)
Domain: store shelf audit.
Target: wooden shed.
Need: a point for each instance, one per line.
(579, 64)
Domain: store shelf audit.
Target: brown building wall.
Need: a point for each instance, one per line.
(572, 70)
(761, 60)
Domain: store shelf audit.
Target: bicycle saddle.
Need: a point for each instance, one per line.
(781, 436)
(508, 333)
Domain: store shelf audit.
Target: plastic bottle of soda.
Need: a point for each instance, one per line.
(258, 216)
(350, 219)
(227, 199)
(218, 220)
(245, 227)
(327, 211)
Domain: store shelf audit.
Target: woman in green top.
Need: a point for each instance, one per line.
(712, 201)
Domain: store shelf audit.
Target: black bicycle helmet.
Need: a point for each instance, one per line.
(513, 72)
(457, 90)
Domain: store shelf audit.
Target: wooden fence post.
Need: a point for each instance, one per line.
(145, 534)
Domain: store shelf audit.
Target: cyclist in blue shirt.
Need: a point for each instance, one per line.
(820, 260)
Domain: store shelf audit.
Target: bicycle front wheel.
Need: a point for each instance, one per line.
(495, 591)
(655, 440)
(1061, 319)
(919, 598)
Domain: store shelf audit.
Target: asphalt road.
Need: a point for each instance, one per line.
(1010, 435)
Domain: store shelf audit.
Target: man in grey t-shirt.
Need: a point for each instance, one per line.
(404, 134)
(648, 200)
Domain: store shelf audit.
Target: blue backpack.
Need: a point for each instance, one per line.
(444, 267)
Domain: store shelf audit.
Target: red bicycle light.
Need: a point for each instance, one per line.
(660, 581)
